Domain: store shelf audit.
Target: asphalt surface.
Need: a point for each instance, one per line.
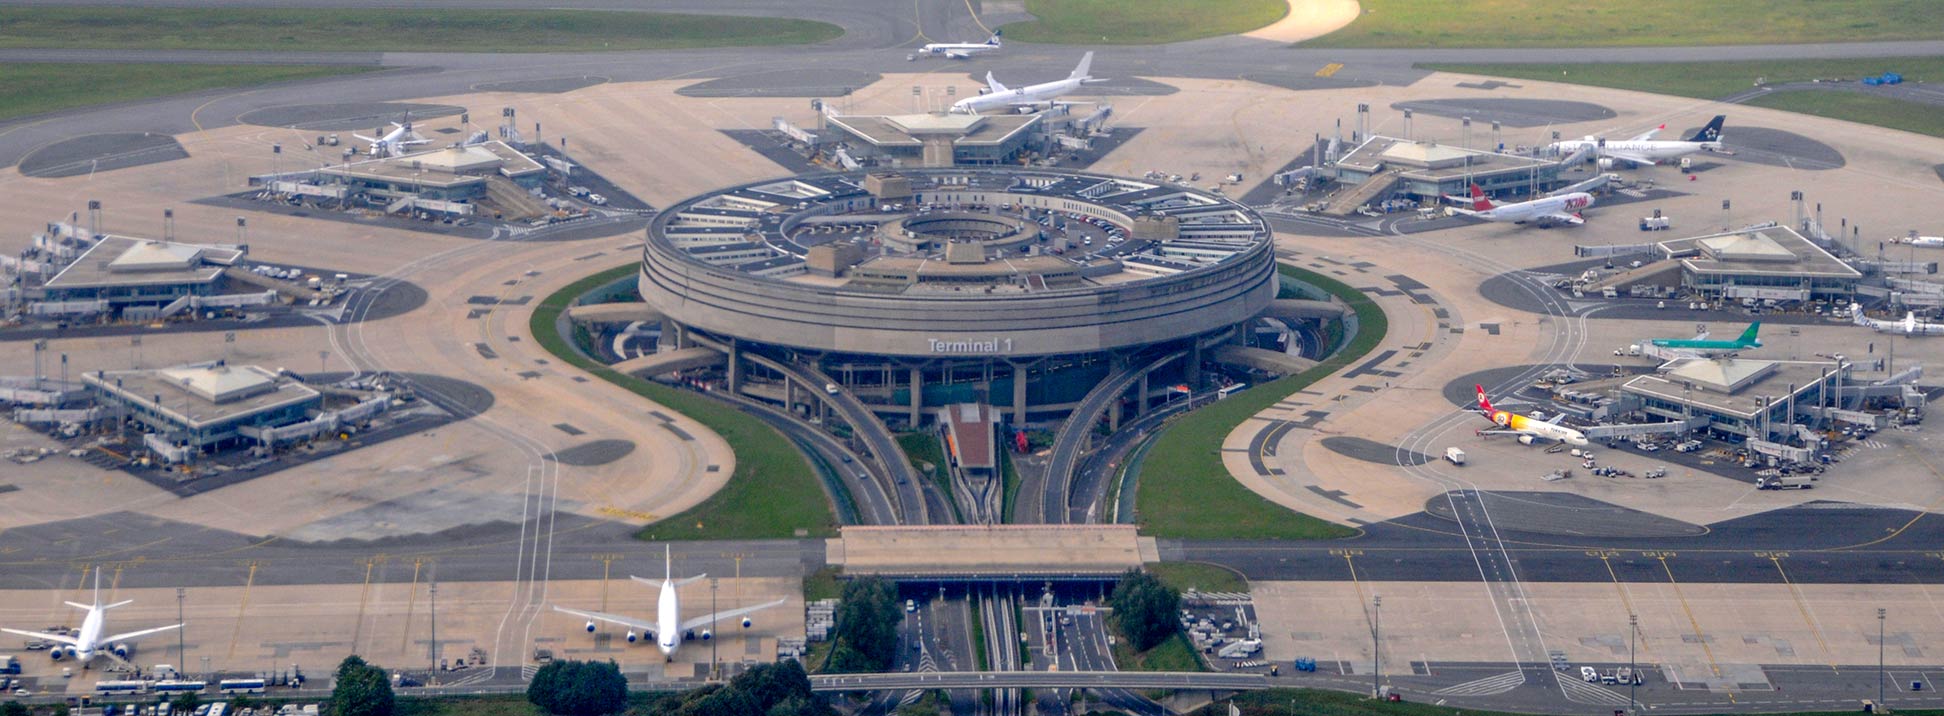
(1510, 112)
(100, 152)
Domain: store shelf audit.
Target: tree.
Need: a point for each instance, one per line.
(62, 710)
(360, 689)
(185, 703)
(1146, 610)
(866, 635)
(15, 708)
(579, 688)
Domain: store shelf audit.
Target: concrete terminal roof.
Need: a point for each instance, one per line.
(130, 261)
(1746, 401)
(191, 404)
(990, 551)
(1757, 250)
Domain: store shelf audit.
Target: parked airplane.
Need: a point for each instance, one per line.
(1643, 148)
(1925, 241)
(1560, 209)
(668, 630)
(960, 50)
(1701, 346)
(393, 143)
(1028, 98)
(89, 641)
(1909, 326)
(1516, 424)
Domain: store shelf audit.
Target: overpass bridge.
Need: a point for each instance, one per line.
(1184, 680)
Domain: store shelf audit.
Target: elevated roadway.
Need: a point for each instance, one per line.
(620, 312)
(1041, 680)
(655, 364)
(1071, 441)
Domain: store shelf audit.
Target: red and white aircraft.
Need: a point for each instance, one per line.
(1560, 209)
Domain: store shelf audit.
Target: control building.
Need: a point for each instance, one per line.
(1021, 289)
(1425, 171)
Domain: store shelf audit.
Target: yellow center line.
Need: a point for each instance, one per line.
(1362, 603)
(1692, 622)
(240, 606)
(975, 18)
(1624, 600)
(917, 23)
(411, 598)
(1802, 606)
(1329, 69)
(1920, 514)
(364, 596)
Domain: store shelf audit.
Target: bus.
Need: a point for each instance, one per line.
(170, 687)
(121, 687)
(1229, 390)
(240, 686)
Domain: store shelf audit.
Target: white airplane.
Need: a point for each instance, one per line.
(1511, 423)
(1909, 326)
(668, 630)
(1558, 209)
(960, 50)
(393, 143)
(1643, 148)
(84, 646)
(1924, 241)
(1028, 98)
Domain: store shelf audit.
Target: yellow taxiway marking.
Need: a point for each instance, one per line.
(1329, 69)
(241, 606)
(1801, 606)
(1692, 622)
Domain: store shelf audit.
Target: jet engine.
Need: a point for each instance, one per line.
(590, 627)
(747, 622)
(631, 637)
(120, 649)
(707, 635)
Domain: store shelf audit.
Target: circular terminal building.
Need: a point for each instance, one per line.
(1024, 289)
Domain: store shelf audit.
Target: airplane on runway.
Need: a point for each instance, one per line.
(668, 630)
(1924, 241)
(1909, 326)
(89, 642)
(960, 50)
(1561, 209)
(1643, 148)
(1702, 347)
(1025, 99)
(1516, 424)
(393, 143)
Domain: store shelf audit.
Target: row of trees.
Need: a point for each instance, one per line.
(579, 688)
(866, 634)
(780, 689)
(1146, 610)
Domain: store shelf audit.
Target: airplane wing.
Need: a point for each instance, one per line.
(1556, 418)
(683, 582)
(1627, 156)
(70, 641)
(1649, 134)
(365, 138)
(133, 635)
(993, 84)
(1567, 219)
(957, 54)
(706, 620)
(629, 622)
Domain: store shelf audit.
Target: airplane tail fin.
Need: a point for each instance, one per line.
(1484, 403)
(1086, 64)
(992, 84)
(668, 557)
(994, 40)
(1480, 203)
(1748, 336)
(97, 591)
(1711, 132)
(122, 603)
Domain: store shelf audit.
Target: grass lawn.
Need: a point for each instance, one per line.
(1318, 702)
(772, 493)
(1174, 654)
(1185, 492)
(1141, 22)
(391, 29)
(36, 88)
(1614, 23)
(923, 448)
(1198, 575)
(822, 584)
(1704, 80)
(1853, 107)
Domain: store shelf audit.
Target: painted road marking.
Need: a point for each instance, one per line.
(1329, 69)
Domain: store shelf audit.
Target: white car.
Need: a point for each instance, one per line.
(1590, 674)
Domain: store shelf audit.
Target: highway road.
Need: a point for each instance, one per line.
(1069, 444)
(1041, 680)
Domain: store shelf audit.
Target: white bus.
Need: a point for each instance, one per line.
(1229, 390)
(240, 686)
(170, 687)
(121, 687)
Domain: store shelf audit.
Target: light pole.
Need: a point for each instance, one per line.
(712, 625)
(1376, 644)
(435, 628)
(1633, 671)
(1880, 614)
(180, 658)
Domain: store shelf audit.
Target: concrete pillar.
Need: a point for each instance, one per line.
(789, 395)
(1019, 393)
(1114, 414)
(1141, 395)
(1192, 371)
(917, 394)
(735, 368)
(674, 336)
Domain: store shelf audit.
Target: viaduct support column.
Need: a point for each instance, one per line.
(1141, 395)
(735, 367)
(1019, 392)
(917, 394)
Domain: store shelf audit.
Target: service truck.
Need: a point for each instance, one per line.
(1455, 455)
(1785, 482)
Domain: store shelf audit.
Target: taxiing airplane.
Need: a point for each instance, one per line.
(1644, 148)
(89, 642)
(1559, 209)
(1909, 326)
(393, 143)
(1516, 424)
(1924, 241)
(669, 630)
(1702, 347)
(1026, 99)
(960, 50)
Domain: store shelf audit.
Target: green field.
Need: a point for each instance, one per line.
(1172, 654)
(772, 494)
(1714, 80)
(37, 88)
(391, 30)
(1185, 492)
(1198, 575)
(1318, 702)
(1141, 22)
(1617, 23)
(923, 448)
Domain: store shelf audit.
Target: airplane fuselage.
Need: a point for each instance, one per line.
(1030, 94)
(89, 638)
(1537, 428)
(1656, 150)
(668, 620)
(1529, 210)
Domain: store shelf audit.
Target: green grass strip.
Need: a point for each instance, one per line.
(771, 495)
(1141, 22)
(1622, 23)
(1703, 80)
(391, 29)
(1185, 492)
(38, 88)
(1201, 576)
(1318, 702)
